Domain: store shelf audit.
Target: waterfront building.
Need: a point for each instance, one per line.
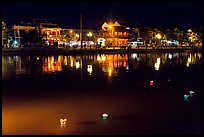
(115, 34)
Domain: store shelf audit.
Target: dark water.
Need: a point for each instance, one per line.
(39, 90)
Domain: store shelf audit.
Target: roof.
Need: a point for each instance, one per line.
(50, 26)
(120, 29)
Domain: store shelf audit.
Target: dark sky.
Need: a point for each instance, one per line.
(67, 14)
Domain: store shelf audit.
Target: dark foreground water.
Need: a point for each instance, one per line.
(37, 91)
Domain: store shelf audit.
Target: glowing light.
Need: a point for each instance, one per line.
(151, 83)
(110, 71)
(103, 57)
(127, 67)
(170, 56)
(191, 93)
(104, 116)
(98, 58)
(65, 60)
(63, 122)
(89, 69)
(188, 61)
(186, 97)
(157, 64)
(15, 42)
(134, 55)
(110, 26)
(189, 30)
(89, 34)
(38, 58)
(70, 31)
(77, 65)
(158, 36)
(77, 35)
(72, 64)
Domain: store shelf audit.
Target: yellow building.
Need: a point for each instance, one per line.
(115, 34)
(50, 32)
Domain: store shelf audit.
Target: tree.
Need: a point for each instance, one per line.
(31, 36)
(7, 33)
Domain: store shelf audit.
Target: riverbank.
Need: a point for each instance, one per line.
(35, 51)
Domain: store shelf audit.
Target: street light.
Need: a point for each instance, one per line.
(158, 36)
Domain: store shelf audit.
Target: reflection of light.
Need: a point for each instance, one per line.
(157, 64)
(151, 83)
(186, 97)
(89, 69)
(124, 63)
(103, 57)
(63, 122)
(104, 116)
(77, 65)
(65, 60)
(110, 71)
(170, 56)
(127, 67)
(50, 65)
(188, 61)
(199, 55)
(191, 93)
(98, 58)
(134, 55)
(72, 63)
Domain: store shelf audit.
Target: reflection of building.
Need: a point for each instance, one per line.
(51, 64)
(110, 63)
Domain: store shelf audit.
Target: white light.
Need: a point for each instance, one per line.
(170, 56)
(104, 116)
(15, 42)
(127, 67)
(134, 55)
(77, 65)
(157, 64)
(127, 28)
(89, 69)
(191, 93)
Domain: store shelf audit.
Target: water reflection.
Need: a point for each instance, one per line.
(52, 64)
(109, 64)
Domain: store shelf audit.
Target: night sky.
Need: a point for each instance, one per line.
(67, 14)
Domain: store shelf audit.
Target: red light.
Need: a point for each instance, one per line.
(151, 83)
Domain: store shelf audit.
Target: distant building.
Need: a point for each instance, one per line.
(49, 32)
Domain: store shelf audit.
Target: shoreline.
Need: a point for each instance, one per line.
(25, 51)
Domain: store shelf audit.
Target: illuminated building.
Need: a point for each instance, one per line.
(51, 33)
(115, 34)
